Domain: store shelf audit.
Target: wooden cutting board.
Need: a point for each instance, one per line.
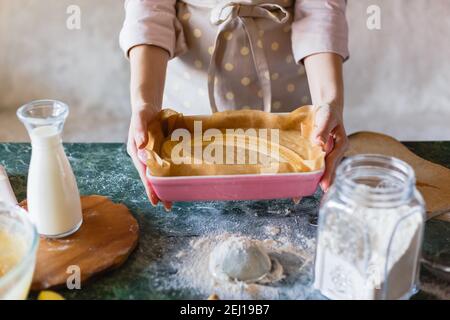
(108, 235)
(433, 180)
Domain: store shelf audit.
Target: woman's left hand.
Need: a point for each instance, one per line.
(326, 84)
(329, 123)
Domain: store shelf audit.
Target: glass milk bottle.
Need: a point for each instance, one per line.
(52, 192)
(370, 231)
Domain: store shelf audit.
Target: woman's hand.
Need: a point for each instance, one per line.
(137, 140)
(325, 80)
(329, 123)
(148, 70)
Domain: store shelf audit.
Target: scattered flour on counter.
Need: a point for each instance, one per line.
(439, 289)
(272, 230)
(295, 262)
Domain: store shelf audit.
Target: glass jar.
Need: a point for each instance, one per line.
(370, 231)
(18, 246)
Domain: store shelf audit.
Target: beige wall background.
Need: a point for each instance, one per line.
(397, 79)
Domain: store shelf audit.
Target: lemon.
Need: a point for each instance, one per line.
(50, 295)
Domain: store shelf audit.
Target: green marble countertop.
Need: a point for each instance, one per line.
(106, 169)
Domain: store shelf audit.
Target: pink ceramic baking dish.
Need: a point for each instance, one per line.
(234, 187)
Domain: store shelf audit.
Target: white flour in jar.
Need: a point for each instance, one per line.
(352, 253)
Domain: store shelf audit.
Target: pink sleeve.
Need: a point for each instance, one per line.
(319, 26)
(152, 22)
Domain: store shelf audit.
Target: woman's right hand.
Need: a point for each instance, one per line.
(137, 140)
(148, 69)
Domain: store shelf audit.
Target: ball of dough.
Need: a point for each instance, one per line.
(239, 258)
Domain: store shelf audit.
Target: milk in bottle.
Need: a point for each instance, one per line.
(52, 192)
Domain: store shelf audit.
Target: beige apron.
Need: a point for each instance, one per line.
(239, 56)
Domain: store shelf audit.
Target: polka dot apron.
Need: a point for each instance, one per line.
(239, 56)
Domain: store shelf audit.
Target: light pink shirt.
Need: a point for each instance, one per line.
(186, 30)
